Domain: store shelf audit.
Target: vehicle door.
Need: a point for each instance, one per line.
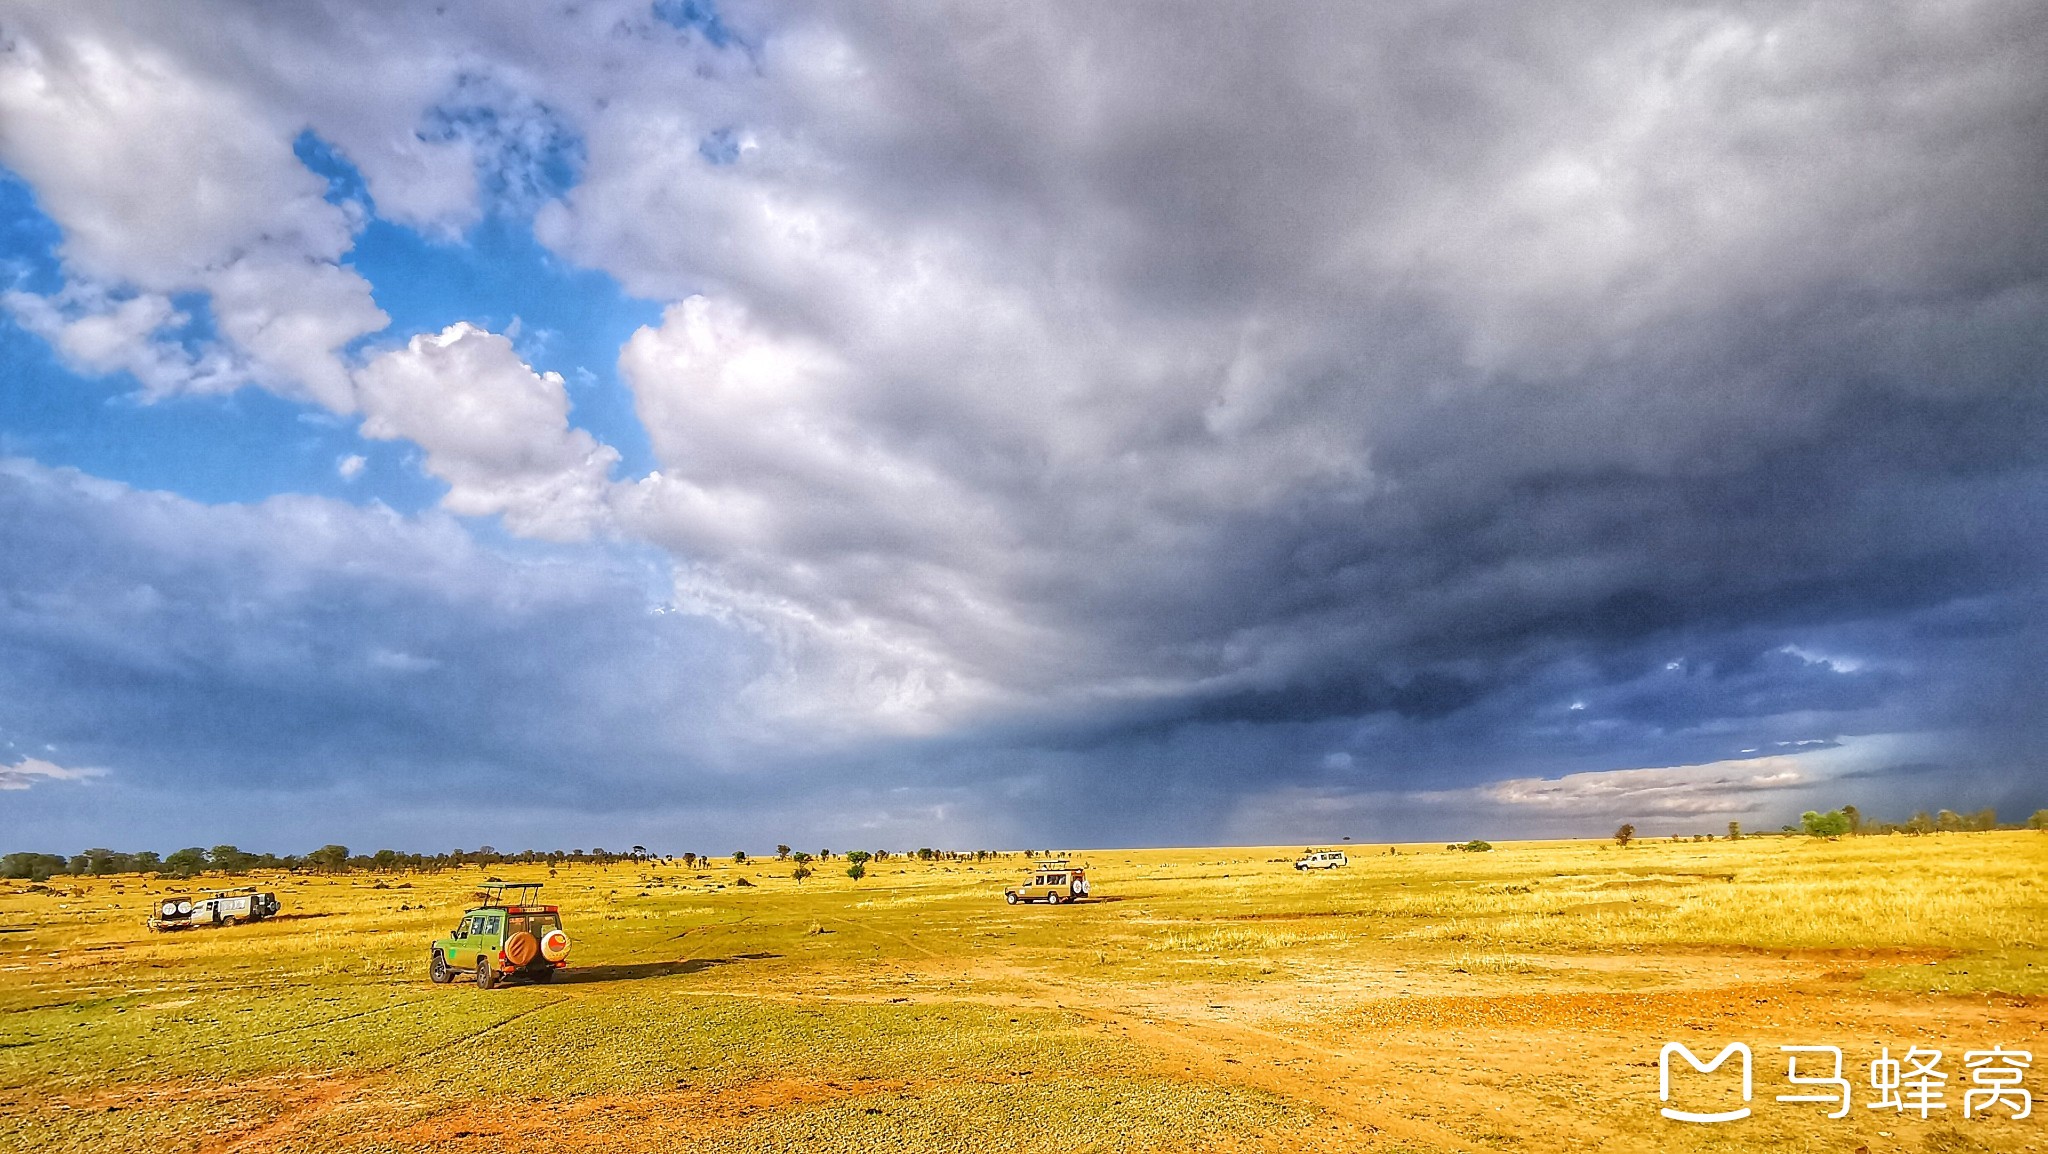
(492, 938)
(463, 950)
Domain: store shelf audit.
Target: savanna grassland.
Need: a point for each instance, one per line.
(1204, 999)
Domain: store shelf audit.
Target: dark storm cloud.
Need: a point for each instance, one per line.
(300, 644)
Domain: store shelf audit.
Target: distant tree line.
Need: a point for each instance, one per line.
(194, 860)
(1849, 821)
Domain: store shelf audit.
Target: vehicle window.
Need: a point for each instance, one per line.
(1058, 879)
(536, 924)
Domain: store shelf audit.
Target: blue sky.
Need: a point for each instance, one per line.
(699, 426)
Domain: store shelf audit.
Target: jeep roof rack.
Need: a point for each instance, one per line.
(494, 893)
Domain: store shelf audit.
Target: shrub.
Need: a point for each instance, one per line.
(1833, 823)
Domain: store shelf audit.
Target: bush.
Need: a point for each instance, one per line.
(1833, 823)
(1477, 846)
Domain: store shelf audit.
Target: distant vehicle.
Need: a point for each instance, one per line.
(499, 939)
(182, 911)
(1053, 882)
(1321, 859)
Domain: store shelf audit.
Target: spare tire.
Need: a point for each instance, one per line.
(554, 945)
(521, 948)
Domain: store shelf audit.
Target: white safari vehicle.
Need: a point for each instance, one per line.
(1052, 882)
(1321, 859)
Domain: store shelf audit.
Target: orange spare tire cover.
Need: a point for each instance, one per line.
(521, 948)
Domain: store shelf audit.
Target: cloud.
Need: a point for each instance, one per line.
(301, 644)
(1681, 791)
(32, 771)
(1110, 393)
(1477, 398)
(496, 431)
(98, 334)
(166, 179)
(1761, 791)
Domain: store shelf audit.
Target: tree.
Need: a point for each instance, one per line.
(739, 857)
(35, 867)
(1855, 817)
(2039, 820)
(1833, 823)
(857, 862)
(100, 862)
(803, 866)
(230, 859)
(1624, 835)
(1948, 821)
(189, 862)
(689, 861)
(782, 853)
(1986, 818)
(334, 858)
(1734, 831)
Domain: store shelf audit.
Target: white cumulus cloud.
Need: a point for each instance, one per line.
(496, 431)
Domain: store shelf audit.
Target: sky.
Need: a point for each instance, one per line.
(709, 426)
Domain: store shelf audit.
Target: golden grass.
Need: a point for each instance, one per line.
(920, 978)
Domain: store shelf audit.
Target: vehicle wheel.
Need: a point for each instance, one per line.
(1010, 898)
(228, 921)
(1054, 897)
(438, 971)
(485, 979)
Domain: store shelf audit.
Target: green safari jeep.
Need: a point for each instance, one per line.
(498, 940)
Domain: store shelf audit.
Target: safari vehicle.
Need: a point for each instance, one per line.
(182, 912)
(1054, 882)
(1321, 859)
(498, 940)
